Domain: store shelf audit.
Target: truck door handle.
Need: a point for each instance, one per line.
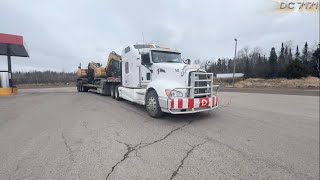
(161, 70)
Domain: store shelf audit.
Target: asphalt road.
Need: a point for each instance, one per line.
(61, 134)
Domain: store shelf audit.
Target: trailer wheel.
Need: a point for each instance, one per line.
(106, 89)
(116, 93)
(112, 91)
(80, 88)
(152, 105)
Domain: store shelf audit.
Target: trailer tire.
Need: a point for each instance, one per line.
(106, 89)
(116, 93)
(152, 104)
(112, 91)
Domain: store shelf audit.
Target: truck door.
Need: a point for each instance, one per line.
(126, 67)
(145, 74)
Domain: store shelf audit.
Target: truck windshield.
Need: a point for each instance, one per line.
(164, 56)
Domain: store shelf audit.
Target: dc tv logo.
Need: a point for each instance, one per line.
(204, 102)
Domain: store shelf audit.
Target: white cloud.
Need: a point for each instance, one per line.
(61, 34)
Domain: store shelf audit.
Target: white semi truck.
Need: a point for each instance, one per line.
(159, 79)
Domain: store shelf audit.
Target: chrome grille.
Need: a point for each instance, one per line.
(201, 84)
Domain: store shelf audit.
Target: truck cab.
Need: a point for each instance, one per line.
(158, 78)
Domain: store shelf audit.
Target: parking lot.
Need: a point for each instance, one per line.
(58, 133)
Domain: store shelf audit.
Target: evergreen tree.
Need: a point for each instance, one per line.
(219, 66)
(281, 61)
(315, 63)
(297, 54)
(265, 62)
(286, 54)
(265, 66)
(305, 53)
(272, 64)
(259, 67)
(290, 58)
(287, 64)
(296, 70)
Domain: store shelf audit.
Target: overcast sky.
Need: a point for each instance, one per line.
(60, 34)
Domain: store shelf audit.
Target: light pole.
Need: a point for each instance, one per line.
(234, 61)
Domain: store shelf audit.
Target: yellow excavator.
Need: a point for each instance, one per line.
(96, 73)
(113, 67)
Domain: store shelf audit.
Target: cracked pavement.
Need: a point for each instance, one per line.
(57, 133)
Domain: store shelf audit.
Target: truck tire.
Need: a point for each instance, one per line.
(116, 93)
(85, 89)
(112, 91)
(152, 105)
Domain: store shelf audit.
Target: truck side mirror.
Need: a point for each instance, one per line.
(145, 60)
(187, 61)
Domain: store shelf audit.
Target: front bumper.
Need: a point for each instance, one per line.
(189, 105)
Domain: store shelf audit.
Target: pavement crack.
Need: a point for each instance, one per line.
(17, 168)
(254, 160)
(163, 138)
(141, 145)
(124, 157)
(69, 150)
(183, 159)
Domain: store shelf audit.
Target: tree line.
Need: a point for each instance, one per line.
(251, 62)
(45, 77)
(285, 63)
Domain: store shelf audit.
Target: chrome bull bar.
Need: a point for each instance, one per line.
(196, 83)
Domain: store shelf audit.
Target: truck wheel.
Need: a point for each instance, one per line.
(116, 93)
(112, 91)
(152, 105)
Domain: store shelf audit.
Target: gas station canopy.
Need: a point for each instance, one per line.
(12, 45)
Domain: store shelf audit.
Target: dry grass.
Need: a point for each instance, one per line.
(308, 82)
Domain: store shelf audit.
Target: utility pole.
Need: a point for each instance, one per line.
(234, 61)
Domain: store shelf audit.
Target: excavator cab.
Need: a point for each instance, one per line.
(113, 67)
(81, 72)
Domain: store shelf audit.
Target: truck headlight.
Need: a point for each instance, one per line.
(174, 93)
